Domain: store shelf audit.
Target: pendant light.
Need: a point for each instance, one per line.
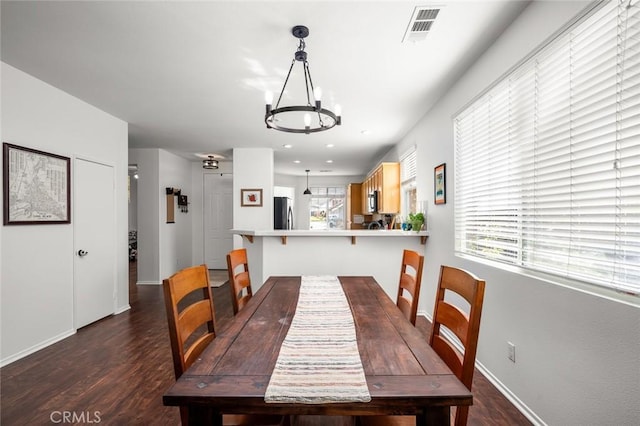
(307, 191)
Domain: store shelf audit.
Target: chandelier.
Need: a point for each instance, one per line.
(210, 163)
(307, 118)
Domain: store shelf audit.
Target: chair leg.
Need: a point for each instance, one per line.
(184, 415)
(462, 413)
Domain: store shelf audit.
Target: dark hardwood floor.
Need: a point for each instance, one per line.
(114, 372)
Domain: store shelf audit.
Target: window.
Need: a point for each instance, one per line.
(548, 160)
(408, 182)
(327, 208)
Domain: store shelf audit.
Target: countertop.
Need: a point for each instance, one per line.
(329, 233)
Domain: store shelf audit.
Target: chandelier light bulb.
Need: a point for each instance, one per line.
(268, 97)
(317, 95)
(307, 120)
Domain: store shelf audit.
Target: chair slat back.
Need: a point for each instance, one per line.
(466, 326)
(190, 315)
(409, 284)
(239, 279)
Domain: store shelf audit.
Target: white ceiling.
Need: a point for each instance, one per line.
(190, 77)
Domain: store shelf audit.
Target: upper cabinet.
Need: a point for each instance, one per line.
(385, 179)
(354, 204)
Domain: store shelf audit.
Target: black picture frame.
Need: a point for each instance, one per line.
(37, 186)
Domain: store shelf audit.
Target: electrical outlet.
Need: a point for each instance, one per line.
(511, 352)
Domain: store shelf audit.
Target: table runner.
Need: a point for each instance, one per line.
(319, 361)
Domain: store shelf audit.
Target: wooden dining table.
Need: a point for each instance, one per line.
(403, 373)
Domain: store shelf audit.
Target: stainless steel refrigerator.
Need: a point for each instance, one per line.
(282, 213)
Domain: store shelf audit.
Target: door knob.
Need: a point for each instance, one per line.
(82, 253)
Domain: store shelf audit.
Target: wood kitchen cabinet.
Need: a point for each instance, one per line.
(354, 204)
(386, 180)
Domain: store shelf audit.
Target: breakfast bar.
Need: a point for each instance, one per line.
(336, 252)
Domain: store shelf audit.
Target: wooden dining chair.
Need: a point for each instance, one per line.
(191, 317)
(409, 285)
(239, 279)
(465, 326)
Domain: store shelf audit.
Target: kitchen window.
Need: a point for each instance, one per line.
(408, 182)
(327, 207)
(547, 161)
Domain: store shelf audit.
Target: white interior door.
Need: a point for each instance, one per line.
(94, 241)
(218, 219)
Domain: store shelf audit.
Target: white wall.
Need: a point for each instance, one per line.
(149, 214)
(163, 248)
(133, 203)
(37, 260)
(577, 354)
(253, 169)
(175, 238)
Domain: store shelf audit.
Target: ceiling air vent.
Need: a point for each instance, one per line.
(420, 23)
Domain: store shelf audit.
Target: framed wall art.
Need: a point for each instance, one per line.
(251, 197)
(36, 186)
(439, 184)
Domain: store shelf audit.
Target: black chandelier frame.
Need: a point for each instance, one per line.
(327, 119)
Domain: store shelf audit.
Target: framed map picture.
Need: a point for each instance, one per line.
(439, 184)
(36, 186)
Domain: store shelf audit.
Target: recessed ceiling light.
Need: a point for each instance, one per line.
(296, 161)
(287, 146)
(329, 161)
(329, 145)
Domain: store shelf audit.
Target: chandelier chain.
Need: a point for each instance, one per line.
(285, 83)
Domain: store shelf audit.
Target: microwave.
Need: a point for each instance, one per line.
(373, 202)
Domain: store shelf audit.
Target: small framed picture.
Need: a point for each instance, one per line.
(36, 186)
(251, 197)
(439, 184)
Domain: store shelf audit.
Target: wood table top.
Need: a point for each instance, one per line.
(404, 375)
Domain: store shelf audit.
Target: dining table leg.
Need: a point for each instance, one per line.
(201, 416)
(434, 416)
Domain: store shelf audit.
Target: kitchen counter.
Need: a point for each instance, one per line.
(351, 233)
(355, 252)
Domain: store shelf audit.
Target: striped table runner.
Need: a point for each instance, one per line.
(319, 360)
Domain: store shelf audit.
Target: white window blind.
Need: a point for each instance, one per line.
(408, 165)
(548, 160)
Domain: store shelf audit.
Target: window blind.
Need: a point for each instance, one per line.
(408, 166)
(548, 160)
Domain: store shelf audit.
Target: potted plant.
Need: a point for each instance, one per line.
(416, 220)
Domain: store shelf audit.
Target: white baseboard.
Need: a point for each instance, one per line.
(513, 398)
(122, 309)
(36, 348)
